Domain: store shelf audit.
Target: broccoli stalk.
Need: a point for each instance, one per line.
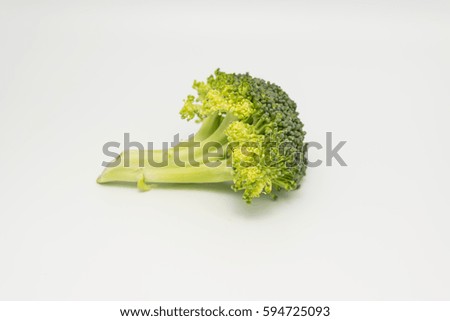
(250, 135)
(184, 164)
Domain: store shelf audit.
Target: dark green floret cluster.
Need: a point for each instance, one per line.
(257, 128)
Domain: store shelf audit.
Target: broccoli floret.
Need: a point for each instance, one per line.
(250, 135)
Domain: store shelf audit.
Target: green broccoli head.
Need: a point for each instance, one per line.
(257, 127)
(267, 150)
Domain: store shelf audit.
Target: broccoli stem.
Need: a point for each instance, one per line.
(204, 173)
(134, 165)
(209, 126)
(210, 134)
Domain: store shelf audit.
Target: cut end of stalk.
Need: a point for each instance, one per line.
(119, 174)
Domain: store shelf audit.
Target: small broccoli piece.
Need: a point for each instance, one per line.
(255, 133)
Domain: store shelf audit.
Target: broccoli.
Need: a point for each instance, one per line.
(250, 136)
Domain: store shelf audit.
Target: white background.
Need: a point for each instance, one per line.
(338, 310)
(76, 75)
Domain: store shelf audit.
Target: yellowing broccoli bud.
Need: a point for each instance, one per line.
(217, 95)
(242, 132)
(190, 109)
(242, 108)
(253, 181)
